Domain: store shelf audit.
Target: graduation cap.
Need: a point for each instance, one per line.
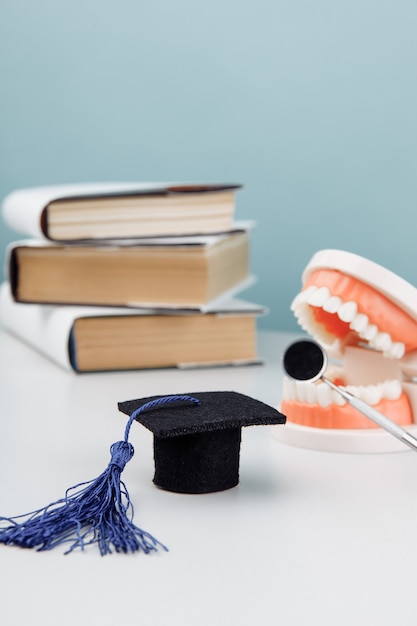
(196, 449)
(197, 445)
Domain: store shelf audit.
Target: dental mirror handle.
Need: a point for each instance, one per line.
(374, 415)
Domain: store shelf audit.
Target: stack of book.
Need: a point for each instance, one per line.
(129, 276)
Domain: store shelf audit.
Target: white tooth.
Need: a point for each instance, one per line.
(370, 332)
(355, 391)
(311, 394)
(289, 389)
(319, 297)
(347, 311)
(286, 388)
(308, 323)
(337, 398)
(382, 341)
(303, 315)
(324, 395)
(294, 394)
(298, 313)
(392, 389)
(372, 394)
(304, 311)
(306, 293)
(397, 350)
(332, 305)
(310, 296)
(300, 389)
(301, 297)
(304, 321)
(359, 322)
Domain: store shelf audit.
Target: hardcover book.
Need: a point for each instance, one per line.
(88, 339)
(120, 210)
(188, 272)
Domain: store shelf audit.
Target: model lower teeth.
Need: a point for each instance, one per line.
(320, 393)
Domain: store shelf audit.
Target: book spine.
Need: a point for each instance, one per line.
(24, 215)
(45, 328)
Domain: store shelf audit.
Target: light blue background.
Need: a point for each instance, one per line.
(311, 104)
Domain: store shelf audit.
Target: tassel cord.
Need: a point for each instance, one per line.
(153, 404)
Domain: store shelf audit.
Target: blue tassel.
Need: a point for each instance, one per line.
(98, 511)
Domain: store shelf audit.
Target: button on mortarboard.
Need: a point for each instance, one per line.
(196, 446)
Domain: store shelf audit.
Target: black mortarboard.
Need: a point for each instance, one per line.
(196, 446)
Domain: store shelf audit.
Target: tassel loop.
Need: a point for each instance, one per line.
(121, 453)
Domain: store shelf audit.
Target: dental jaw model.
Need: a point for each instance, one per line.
(365, 318)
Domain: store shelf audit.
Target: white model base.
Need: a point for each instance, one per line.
(369, 441)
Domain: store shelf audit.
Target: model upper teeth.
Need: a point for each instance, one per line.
(322, 394)
(348, 312)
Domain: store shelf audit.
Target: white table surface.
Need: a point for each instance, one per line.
(306, 538)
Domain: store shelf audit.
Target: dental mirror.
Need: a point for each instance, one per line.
(306, 361)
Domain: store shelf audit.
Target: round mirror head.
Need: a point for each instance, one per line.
(305, 360)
